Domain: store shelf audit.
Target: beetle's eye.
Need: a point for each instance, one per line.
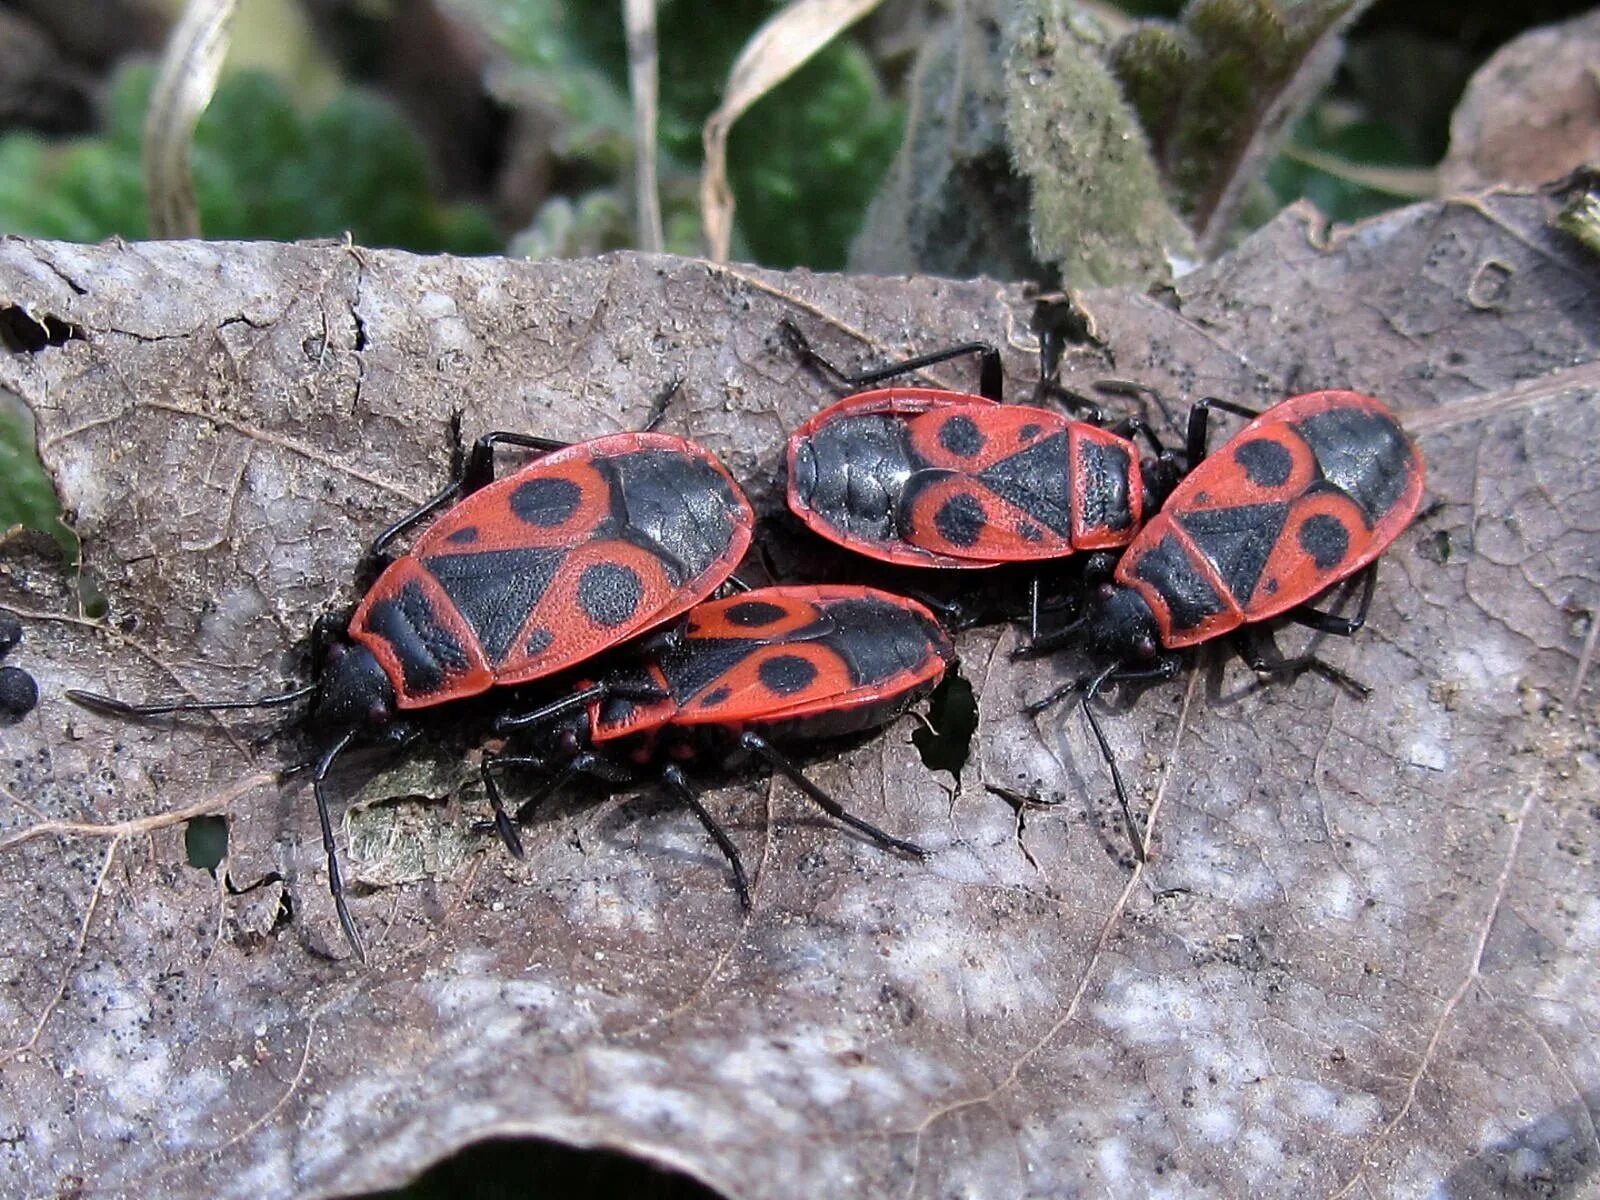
(1105, 591)
(569, 740)
(1145, 648)
(378, 714)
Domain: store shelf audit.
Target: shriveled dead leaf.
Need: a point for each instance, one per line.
(1532, 112)
(774, 52)
(1363, 960)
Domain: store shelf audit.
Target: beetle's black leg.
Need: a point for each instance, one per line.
(579, 764)
(1076, 403)
(1199, 431)
(658, 406)
(1134, 836)
(502, 823)
(1255, 645)
(673, 776)
(1132, 427)
(761, 748)
(991, 385)
(1325, 622)
(111, 706)
(335, 880)
(556, 708)
(1041, 644)
(1164, 668)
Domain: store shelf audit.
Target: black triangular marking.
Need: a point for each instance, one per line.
(496, 590)
(1238, 541)
(1038, 481)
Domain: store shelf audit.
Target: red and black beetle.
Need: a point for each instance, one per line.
(1308, 494)
(575, 552)
(933, 478)
(771, 665)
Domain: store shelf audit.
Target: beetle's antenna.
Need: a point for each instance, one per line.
(335, 880)
(111, 706)
(1111, 760)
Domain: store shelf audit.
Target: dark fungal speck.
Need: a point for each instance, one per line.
(10, 633)
(18, 694)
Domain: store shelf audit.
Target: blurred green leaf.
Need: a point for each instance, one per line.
(262, 169)
(1214, 91)
(1333, 160)
(26, 497)
(807, 159)
(803, 163)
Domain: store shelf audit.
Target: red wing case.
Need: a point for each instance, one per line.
(568, 556)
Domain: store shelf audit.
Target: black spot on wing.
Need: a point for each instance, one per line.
(677, 506)
(716, 697)
(961, 436)
(464, 536)
(609, 593)
(1238, 540)
(960, 519)
(496, 590)
(1364, 454)
(1028, 432)
(1038, 481)
(429, 654)
(1189, 597)
(1266, 463)
(786, 674)
(546, 501)
(1325, 539)
(754, 614)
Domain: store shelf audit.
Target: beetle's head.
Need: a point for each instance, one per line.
(354, 693)
(1121, 625)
